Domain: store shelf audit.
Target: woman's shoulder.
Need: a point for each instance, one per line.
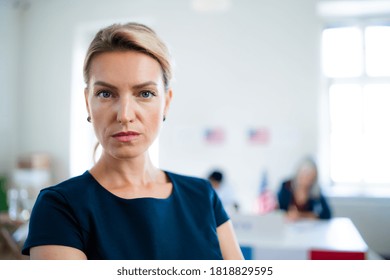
(74, 186)
(286, 184)
(181, 178)
(190, 183)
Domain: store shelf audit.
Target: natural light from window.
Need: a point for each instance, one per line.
(342, 52)
(378, 50)
(356, 62)
(346, 132)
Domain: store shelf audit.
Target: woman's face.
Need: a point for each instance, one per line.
(306, 178)
(126, 100)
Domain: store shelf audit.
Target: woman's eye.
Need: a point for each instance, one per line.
(147, 94)
(104, 94)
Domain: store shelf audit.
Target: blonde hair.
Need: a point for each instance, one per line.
(308, 163)
(130, 37)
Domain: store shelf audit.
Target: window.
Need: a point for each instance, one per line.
(356, 64)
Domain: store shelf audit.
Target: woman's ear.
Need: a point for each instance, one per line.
(168, 99)
(86, 94)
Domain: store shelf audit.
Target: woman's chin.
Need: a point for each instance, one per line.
(125, 154)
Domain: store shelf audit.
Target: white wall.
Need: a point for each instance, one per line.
(10, 30)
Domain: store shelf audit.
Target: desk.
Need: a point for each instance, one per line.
(271, 237)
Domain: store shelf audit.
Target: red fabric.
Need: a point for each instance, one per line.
(336, 255)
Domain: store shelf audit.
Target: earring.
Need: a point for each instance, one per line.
(89, 119)
(164, 118)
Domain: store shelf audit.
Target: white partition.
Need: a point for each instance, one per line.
(271, 237)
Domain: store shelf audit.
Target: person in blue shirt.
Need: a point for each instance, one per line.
(124, 207)
(300, 196)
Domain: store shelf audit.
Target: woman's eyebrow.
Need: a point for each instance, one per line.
(104, 84)
(145, 84)
(137, 86)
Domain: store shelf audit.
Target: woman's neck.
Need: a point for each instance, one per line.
(134, 173)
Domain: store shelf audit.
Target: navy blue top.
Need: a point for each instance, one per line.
(80, 213)
(318, 205)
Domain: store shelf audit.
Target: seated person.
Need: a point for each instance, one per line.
(224, 191)
(300, 196)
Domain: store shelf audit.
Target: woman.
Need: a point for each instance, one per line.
(300, 196)
(124, 207)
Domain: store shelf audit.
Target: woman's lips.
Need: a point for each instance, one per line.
(126, 136)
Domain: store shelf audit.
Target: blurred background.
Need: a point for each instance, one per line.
(258, 85)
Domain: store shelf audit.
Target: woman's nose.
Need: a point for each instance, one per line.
(126, 111)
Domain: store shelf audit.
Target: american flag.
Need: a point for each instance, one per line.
(214, 135)
(265, 201)
(258, 136)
